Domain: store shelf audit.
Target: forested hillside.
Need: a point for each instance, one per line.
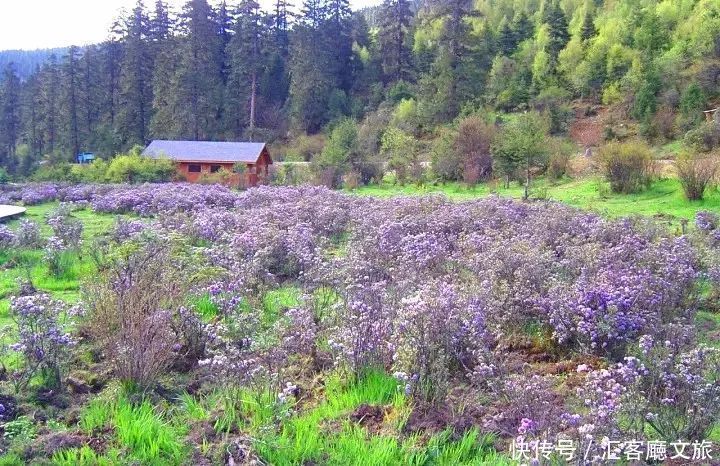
(27, 61)
(235, 72)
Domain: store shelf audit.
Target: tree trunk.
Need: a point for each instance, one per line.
(527, 181)
(253, 91)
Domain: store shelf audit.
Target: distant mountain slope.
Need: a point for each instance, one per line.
(27, 60)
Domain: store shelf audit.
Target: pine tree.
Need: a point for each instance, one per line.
(453, 80)
(199, 81)
(111, 53)
(588, 30)
(281, 26)
(161, 24)
(395, 21)
(31, 105)
(558, 31)
(91, 90)
(224, 21)
(164, 74)
(247, 63)
(312, 79)
(50, 102)
(523, 27)
(337, 30)
(72, 103)
(135, 79)
(9, 116)
(507, 40)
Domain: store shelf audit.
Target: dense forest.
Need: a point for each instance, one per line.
(387, 79)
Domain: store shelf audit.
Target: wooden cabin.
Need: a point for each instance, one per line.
(247, 162)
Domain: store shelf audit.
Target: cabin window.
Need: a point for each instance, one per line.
(194, 168)
(251, 169)
(215, 168)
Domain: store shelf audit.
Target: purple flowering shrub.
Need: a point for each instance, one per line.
(135, 309)
(43, 343)
(7, 238)
(438, 330)
(28, 235)
(669, 391)
(66, 229)
(526, 406)
(442, 294)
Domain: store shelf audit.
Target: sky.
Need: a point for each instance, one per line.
(34, 24)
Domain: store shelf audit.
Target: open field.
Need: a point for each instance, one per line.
(329, 308)
(664, 199)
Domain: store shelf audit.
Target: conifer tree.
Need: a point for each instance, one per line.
(393, 36)
(72, 109)
(9, 116)
(558, 30)
(588, 30)
(247, 63)
(135, 77)
(199, 80)
(507, 40)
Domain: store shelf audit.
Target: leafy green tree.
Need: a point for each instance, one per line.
(401, 152)
(339, 152)
(521, 145)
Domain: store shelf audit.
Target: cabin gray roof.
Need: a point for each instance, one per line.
(206, 151)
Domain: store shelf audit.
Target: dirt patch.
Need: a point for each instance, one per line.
(369, 416)
(52, 443)
(431, 419)
(587, 130)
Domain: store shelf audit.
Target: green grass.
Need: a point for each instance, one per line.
(140, 429)
(94, 223)
(86, 456)
(663, 199)
(325, 435)
(275, 302)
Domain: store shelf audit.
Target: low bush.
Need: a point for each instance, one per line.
(43, 344)
(704, 138)
(124, 168)
(696, 173)
(560, 153)
(132, 305)
(628, 166)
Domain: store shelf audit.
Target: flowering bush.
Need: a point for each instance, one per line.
(28, 235)
(135, 307)
(42, 342)
(7, 238)
(437, 292)
(66, 230)
(670, 391)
